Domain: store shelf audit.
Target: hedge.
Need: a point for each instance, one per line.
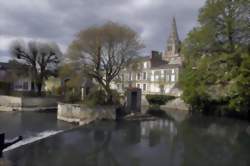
(159, 99)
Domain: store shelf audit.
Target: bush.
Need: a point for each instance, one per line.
(72, 96)
(96, 97)
(116, 97)
(155, 102)
(159, 99)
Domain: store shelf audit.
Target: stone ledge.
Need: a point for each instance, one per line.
(12, 103)
(83, 114)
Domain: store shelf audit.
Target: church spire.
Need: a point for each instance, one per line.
(173, 42)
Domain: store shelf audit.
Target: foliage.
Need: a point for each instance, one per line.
(99, 97)
(103, 51)
(41, 59)
(53, 85)
(159, 99)
(96, 97)
(216, 54)
(240, 93)
(72, 96)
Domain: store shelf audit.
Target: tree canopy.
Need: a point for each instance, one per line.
(41, 58)
(103, 51)
(216, 53)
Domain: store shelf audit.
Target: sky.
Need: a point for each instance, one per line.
(60, 20)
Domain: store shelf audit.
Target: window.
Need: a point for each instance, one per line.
(152, 78)
(172, 78)
(145, 65)
(25, 85)
(157, 77)
(161, 87)
(172, 71)
(138, 85)
(144, 87)
(130, 77)
(138, 76)
(144, 76)
(167, 78)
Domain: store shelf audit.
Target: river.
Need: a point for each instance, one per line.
(196, 141)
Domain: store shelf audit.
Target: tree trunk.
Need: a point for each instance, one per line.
(39, 88)
(109, 94)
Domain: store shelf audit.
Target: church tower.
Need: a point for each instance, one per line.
(172, 50)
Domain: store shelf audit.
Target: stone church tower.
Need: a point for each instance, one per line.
(172, 50)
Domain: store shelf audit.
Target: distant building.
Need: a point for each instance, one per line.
(157, 73)
(16, 82)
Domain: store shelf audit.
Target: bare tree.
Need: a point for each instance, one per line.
(42, 59)
(103, 51)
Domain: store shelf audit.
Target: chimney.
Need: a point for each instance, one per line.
(156, 58)
(155, 55)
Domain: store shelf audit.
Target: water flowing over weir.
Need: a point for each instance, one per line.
(33, 126)
(35, 138)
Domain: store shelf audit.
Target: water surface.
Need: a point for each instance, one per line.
(197, 141)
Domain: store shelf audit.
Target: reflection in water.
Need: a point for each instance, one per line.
(195, 141)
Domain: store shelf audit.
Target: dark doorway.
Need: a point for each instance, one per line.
(134, 101)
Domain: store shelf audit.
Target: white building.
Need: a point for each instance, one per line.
(157, 73)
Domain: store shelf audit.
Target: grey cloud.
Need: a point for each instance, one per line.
(60, 20)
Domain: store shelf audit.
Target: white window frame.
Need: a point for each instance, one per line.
(172, 78)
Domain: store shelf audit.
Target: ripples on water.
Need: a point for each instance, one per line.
(197, 141)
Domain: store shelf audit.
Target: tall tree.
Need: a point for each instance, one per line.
(103, 51)
(42, 59)
(214, 52)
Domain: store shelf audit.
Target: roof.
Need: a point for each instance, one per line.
(144, 58)
(4, 66)
(166, 66)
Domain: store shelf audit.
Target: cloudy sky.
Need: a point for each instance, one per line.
(60, 20)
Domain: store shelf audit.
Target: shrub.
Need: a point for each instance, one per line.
(96, 97)
(155, 102)
(159, 99)
(72, 96)
(116, 97)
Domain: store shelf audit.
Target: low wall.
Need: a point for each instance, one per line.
(39, 102)
(10, 103)
(83, 114)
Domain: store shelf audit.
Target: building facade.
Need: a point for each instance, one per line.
(17, 82)
(157, 73)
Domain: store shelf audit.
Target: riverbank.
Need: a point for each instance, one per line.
(12, 103)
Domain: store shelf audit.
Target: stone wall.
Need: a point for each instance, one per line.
(10, 103)
(28, 102)
(83, 114)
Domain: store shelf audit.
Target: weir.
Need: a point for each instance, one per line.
(4, 145)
